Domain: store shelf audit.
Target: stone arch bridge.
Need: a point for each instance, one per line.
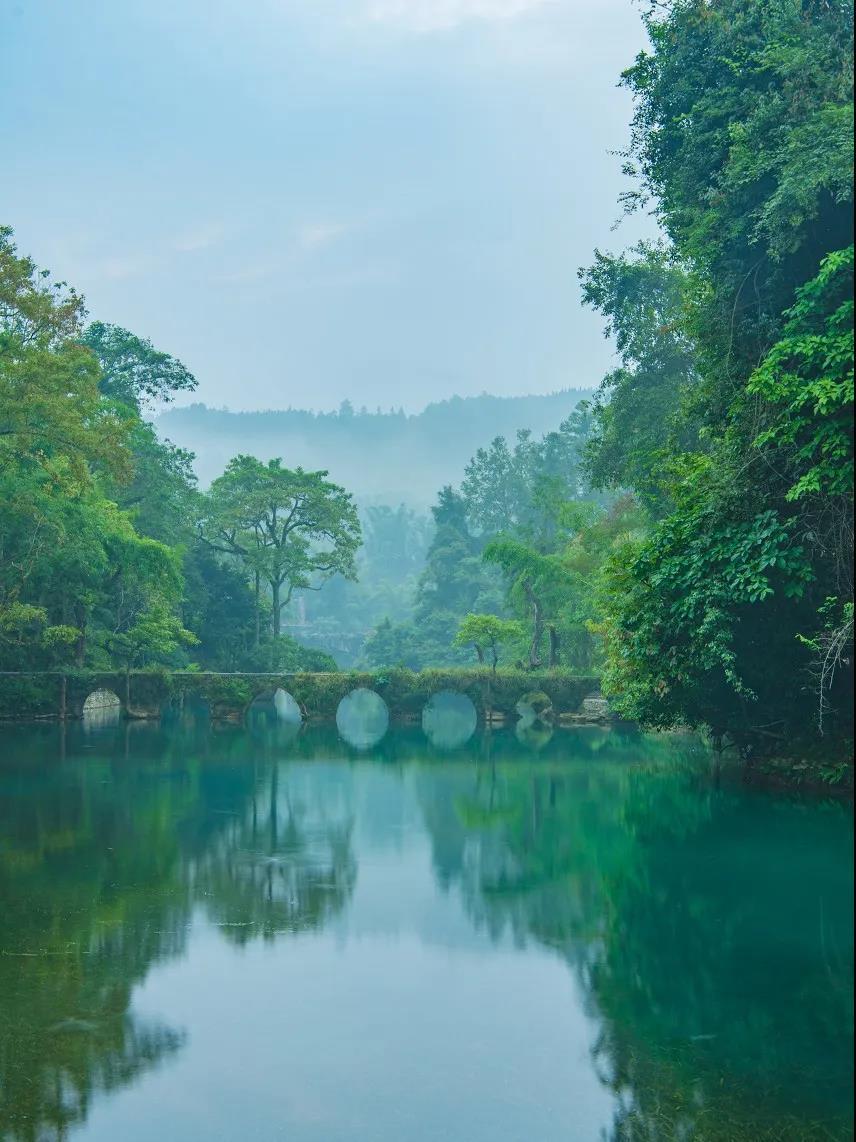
(146, 694)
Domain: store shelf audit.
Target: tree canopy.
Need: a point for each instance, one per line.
(290, 529)
(100, 561)
(728, 612)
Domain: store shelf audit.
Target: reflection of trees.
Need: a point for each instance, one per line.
(709, 929)
(66, 1034)
(727, 973)
(281, 867)
(101, 861)
(87, 908)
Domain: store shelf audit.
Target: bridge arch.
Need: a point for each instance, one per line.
(449, 719)
(101, 708)
(362, 718)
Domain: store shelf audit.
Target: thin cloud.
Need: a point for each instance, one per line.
(197, 238)
(119, 268)
(314, 235)
(249, 273)
(442, 15)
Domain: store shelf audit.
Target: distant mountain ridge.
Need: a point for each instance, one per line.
(382, 457)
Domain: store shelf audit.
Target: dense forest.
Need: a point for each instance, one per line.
(687, 531)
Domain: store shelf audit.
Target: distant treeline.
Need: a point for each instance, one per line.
(381, 457)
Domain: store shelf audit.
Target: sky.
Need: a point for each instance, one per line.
(313, 200)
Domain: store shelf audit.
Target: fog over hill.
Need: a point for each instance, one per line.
(382, 457)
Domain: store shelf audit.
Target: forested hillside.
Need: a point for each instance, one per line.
(381, 456)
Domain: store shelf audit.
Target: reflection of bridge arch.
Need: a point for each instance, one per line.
(101, 700)
(449, 719)
(362, 718)
(286, 706)
(274, 711)
(101, 708)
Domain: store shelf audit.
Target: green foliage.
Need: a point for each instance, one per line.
(341, 619)
(133, 372)
(692, 614)
(516, 489)
(29, 696)
(289, 529)
(742, 142)
(393, 644)
(152, 636)
(97, 515)
(285, 654)
(454, 582)
(218, 608)
(643, 408)
(742, 137)
(488, 632)
(537, 584)
(807, 378)
(50, 413)
(160, 494)
(537, 704)
(525, 496)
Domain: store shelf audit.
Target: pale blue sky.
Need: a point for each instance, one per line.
(307, 200)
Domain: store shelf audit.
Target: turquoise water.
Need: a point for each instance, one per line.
(260, 934)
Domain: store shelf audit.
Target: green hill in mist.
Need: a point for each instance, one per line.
(384, 457)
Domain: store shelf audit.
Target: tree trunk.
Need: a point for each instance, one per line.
(537, 625)
(277, 609)
(554, 645)
(274, 819)
(495, 656)
(258, 610)
(80, 644)
(479, 653)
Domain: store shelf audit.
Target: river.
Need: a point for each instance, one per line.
(254, 934)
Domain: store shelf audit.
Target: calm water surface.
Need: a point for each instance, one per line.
(243, 934)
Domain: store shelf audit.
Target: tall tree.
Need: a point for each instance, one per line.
(49, 399)
(643, 409)
(487, 633)
(133, 372)
(507, 489)
(78, 583)
(290, 529)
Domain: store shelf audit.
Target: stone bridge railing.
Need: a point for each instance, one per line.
(146, 694)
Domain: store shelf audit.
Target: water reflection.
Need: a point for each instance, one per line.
(283, 864)
(532, 733)
(287, 709)
(707, 932)
(101, 709)
(362, 718)
(449, 719)
(275, 719)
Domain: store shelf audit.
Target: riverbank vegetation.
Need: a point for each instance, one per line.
(686, 533)
(735, 609)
